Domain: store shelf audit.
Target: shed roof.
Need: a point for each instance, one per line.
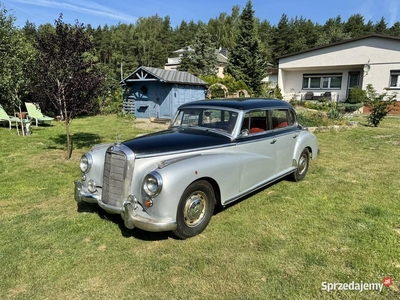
(168, 76)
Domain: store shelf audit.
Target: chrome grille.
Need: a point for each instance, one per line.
(114, 178)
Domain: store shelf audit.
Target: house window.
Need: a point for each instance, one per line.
(395, 78)
(322, 81)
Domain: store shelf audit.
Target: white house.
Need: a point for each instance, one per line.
(336, 68)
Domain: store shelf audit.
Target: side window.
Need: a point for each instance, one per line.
(255, 121)
(280, 118)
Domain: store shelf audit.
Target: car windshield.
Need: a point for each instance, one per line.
(206, 118)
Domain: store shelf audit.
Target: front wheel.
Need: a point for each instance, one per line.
(302, 166)
(195, 209)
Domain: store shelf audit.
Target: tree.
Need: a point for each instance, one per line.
(381, 26)
(153, 41)
(281, 38)
(356, 26)
(16, 54)
(332, 32)
(379, 104)
(395, 29)
(200, 59)
(224, 28)
(246, 62)
(66, 73)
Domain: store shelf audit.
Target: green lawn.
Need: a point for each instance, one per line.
(340, 225)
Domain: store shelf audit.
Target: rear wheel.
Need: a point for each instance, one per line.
(302, 165)
(195, 209)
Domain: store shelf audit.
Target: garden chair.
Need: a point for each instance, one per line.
(309, 96)
(35, 113)
(5, 117)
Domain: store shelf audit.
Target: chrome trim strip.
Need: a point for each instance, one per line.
(138, 156)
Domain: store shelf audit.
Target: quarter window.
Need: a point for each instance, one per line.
(319, 81)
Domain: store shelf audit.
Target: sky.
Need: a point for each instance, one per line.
(102, 12)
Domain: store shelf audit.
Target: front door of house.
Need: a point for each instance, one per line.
(154, 105)
(353, 81)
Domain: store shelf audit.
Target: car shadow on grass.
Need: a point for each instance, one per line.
(116, 219)
(79, 140)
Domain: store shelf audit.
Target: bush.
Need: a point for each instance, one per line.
(379, 104)
(324, 106)
(277, 92)
(334, 114)
(357, 95)
(312, 119)
(111, 103)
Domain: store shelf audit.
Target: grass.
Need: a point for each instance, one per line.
(341, 224)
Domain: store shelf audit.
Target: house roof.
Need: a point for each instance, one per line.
(343, 42)
(168, 76)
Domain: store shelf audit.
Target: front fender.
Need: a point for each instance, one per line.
(223, 168)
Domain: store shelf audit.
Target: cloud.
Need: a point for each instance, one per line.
(88, 7)
(392, 6)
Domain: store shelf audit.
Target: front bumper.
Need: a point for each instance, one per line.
(129, 212)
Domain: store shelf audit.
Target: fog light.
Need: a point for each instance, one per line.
(148, 203)
(92, 186)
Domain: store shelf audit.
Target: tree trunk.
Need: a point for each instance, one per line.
(22, 122)
(69, 141)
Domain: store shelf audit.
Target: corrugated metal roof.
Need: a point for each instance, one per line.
(169, 76)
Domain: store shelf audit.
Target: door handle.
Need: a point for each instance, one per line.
(295, 136)
(273, 141)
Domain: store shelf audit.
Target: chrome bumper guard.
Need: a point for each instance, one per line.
(128, 212)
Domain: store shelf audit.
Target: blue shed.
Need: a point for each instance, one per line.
(151, 92)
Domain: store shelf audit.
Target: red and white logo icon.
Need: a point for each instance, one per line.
(387, 281)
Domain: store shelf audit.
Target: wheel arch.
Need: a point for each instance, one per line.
(214, 184)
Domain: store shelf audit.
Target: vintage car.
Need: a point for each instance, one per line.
(214, 152)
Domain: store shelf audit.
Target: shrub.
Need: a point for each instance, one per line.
(334, 114)
(312, 119)
(379, 104)
(357, 95)
(277, 92)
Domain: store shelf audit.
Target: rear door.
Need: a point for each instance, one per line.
(256, 150)
(286, 133)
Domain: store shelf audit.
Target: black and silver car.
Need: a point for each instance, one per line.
(214, 152)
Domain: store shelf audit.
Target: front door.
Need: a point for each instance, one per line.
(353, 81)
(154, 105)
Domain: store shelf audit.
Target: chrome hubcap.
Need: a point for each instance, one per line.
(195, 209)
(302, 164)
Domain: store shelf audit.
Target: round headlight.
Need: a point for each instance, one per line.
(86, 162)
(152, 184)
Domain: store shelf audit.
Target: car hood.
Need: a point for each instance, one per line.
(172, 140)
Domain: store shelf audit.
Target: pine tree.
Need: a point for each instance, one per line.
(246, 62)
(200, 59)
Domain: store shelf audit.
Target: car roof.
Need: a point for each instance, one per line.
(240, 103)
